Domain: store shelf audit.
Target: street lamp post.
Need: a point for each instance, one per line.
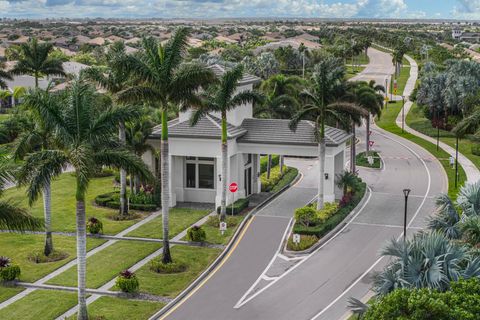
(456, 162)
(403, 113)
(438, 128)
(406, 192)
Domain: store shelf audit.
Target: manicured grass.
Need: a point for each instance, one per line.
(362, 160)
(19, 246)
(387, 122)
(401, 80)
(362, 58)
(8, 292)
(63, 204)
(40, 305)
(170, 285)
(106, 264)
(352, 72)
(416, 120)
(215, 236)
(4, 116)
(110, 308)
(180, 219)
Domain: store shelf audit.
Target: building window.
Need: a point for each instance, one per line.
(200, 173)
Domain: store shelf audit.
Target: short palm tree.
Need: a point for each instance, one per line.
(346, 180)
(323, 104)
(86, 140)
(222, 98)
(12, 217)
(4, 75)
(161, 79)
(38, 138)
(36, 61)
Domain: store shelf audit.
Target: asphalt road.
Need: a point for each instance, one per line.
(255, 282)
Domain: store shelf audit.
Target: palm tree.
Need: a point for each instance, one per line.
(36, 139)
(346, 180)
(12, 217)
(4, 75)
(113, 79)
(222, 98)
(86, 139)
(327, 85)
(36, 61)
(162, 79)
(397, 59)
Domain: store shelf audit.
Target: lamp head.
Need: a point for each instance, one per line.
(406, 192)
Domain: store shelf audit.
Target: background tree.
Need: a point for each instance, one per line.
(4, 75)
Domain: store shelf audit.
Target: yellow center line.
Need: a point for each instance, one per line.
(211, 274)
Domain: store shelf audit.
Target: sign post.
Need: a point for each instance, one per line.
(223, 227)
(296, 238)
(233, 187)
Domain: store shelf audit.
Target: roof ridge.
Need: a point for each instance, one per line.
(208, 116)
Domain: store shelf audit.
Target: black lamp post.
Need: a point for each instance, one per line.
(406, 192)
(456, 162)
(403, 113)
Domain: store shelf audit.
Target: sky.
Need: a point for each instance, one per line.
(426, 9)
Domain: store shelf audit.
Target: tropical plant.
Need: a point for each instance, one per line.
(222, 98)
(85, 137)
(127, 281)
(327, 85)
(36, 61)
(347, 180)
(4, 75)
(196, 234)
(470, 228)
(163, 81)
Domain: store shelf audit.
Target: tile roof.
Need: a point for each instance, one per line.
(247, 78)
(277, 131)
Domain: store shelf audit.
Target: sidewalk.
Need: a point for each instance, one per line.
(471, 171)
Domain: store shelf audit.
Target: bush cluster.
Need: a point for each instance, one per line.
(196, 234)
(8, 271)
(177, 266)
(264, 162)
(94, 226)
(112, 200)
(305, 243)
(214, 221)
(238, 206)
(127, 281)
(309, 216)
(476, 149)
(275, 177)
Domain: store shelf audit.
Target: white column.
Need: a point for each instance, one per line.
(329, 183)
(218, 183)
(173, 196)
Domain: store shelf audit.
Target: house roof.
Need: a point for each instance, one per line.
(259, 131)
(277, 131)
(247, 78)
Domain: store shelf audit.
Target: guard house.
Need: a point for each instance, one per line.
(195, 152)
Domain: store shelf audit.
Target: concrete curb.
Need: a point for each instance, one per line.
(330, 234)
(222, 255)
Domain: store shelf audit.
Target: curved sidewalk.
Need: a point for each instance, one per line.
(471, 171)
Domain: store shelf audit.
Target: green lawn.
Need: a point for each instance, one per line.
(416, 120)
(40, 305)
(401, 80)
(362, 160)
(170, 285)
(4, 116)
(19, 246)
(352, 72)
(110, 308)
(387, 122)
(180, 219)
(215, 236)
(63, 204)
(7, 293)
(106, 264)
(362, 58)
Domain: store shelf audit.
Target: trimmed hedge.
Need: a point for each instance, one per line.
(111, 200)
(264, 162)
(276, 178)
(238, 206)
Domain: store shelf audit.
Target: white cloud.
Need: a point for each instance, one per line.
(467, 9)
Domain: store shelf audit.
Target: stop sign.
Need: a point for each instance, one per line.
(233, 187)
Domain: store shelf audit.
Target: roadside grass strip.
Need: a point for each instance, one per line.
(179, 220)
(387, 122)
(110, 308)
(214, 235)
(353, 71)
(19, 246)
(401, 80)
(40, 305)
(63, 204)
(8, 292)
(106, 264)
(362, 160)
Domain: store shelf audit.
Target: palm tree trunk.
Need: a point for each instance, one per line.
(164, 153)
(136, 184)
(123, 174)
(223, 200)
(281, 165)
(353, 149)
(367, 145)
(269, 166)
(48, 219)
(321, 178)
(81, 258)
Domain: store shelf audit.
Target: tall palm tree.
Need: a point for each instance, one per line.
(86, 139)
(162, 79)
(37, 62)
(4, 75)
(113, 79)
(36, 139)
(12, 217)
(327, 86)
(222, 98)
(368, 98)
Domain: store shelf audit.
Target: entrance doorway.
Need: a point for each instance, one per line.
(248, 181)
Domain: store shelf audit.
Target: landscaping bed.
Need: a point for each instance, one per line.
(362, 160)
(141, 202)
(276, 181)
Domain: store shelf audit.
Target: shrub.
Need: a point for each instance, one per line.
(329, 209)
(214, 221)
(306, 216)
(476, 149)
(289, 175)
(275, 177)
(305, 243)
(264, 162)
(196, 234)
(127, 281)
(94, 225)
(8, 271)
(40, 257)
(143, 201)
(177, 266)
(238, 206)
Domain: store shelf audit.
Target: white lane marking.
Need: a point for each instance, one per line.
(240, 303)
(399, 195)
(267, 278)
(264, 273)
(381, 225)
(408, 227)
(289, 259)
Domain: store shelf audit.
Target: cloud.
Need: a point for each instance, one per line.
(467, 9)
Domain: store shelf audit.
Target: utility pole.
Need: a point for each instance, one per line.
(456, 162)
(403, 113)
(406, 192)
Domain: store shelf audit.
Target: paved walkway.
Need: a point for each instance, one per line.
(471, 171)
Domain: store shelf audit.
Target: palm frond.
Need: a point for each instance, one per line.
(14, 218)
